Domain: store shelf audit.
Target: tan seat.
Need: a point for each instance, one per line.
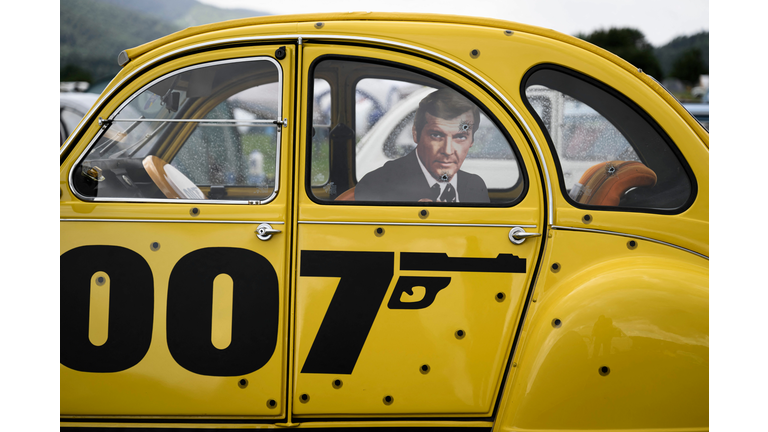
(605, 183)
(348, 195)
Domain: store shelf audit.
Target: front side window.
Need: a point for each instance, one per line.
(609, 153)
(206, 132)
(397, 136)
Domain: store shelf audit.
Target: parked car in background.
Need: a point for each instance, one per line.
(73, 106)
(700, 111)
(377, 220)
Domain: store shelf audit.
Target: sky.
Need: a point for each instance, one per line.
(660, 20)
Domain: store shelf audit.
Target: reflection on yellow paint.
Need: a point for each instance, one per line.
(98, 311)
(603, 333)
(221, 319)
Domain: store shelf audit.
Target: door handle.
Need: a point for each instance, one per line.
(264, 231)
(517, 235)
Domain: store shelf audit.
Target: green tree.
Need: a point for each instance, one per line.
(629, 44)
(689, 66)
(72, 72)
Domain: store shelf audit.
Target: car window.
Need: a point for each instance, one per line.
(321, 127)
(449, 151)
(609, 153)
(208, 132)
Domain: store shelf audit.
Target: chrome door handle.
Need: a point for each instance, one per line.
(518, 235)
(265, 231)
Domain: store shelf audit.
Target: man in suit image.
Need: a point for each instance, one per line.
(443, 129)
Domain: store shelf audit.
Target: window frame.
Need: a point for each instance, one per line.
(620, 97)
(523, 171)
(102, 130)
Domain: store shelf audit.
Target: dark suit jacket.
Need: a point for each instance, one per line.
(402, 180)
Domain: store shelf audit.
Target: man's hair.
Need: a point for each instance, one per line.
(445, 104)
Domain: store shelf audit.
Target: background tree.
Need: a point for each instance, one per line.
(629, 44)
(689, 66)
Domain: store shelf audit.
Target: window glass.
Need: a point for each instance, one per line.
(382, 147)
(205, 132)
(321, 127)
(608, 153)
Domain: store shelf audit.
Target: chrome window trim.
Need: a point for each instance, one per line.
(125, 103)
(564, 228)
(204, 122)
(169, 221)
(304, 37)
(417, 224)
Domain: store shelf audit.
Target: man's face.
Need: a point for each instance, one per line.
(444, 144)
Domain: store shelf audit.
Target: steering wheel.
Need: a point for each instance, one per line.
(170, 180)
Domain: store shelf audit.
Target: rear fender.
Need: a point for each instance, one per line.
(617, 337)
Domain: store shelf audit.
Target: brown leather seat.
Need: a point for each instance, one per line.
(348, 195)
(605, 183)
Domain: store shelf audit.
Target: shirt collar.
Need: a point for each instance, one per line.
(431, 180)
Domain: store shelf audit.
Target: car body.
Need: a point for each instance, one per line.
(222, 265)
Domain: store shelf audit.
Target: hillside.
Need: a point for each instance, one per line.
(184, 13)
(93, 32)
(670, 52)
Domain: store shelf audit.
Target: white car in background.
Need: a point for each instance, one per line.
(700, 111)
(73, 106)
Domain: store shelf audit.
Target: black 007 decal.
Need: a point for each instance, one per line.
(131, 304)
(255, 306)
(255, 310)
(364, 280)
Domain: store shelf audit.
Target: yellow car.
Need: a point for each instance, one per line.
(269, 223)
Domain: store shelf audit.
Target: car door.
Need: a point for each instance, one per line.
(405, 307)
(175, 228)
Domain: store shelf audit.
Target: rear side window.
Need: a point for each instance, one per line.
(609, 152)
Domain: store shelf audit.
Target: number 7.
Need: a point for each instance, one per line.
(365, 277)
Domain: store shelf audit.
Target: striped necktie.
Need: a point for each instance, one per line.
(449, 194)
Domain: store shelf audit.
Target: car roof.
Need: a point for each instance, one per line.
(135, 52)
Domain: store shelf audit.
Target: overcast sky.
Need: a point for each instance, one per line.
(660, 20)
